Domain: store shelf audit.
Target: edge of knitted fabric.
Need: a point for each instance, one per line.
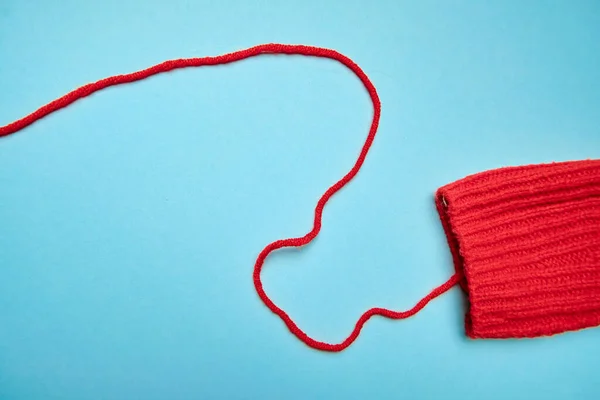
(454, 246)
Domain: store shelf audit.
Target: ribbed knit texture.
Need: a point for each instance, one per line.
(526, 242)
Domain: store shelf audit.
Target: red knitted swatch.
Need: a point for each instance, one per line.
(526, 243)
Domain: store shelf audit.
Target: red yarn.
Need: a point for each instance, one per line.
(292, 242)
(525, 240)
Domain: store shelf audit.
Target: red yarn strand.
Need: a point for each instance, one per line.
(170, 65)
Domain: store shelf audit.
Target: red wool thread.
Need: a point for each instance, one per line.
(272, 48)
(525, 240)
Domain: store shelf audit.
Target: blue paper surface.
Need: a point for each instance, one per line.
(130, 222)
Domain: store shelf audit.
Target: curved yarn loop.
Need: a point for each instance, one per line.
(292, 242)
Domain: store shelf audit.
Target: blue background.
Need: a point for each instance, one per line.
(129, 223)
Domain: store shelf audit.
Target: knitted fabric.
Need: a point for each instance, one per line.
(526, 243)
